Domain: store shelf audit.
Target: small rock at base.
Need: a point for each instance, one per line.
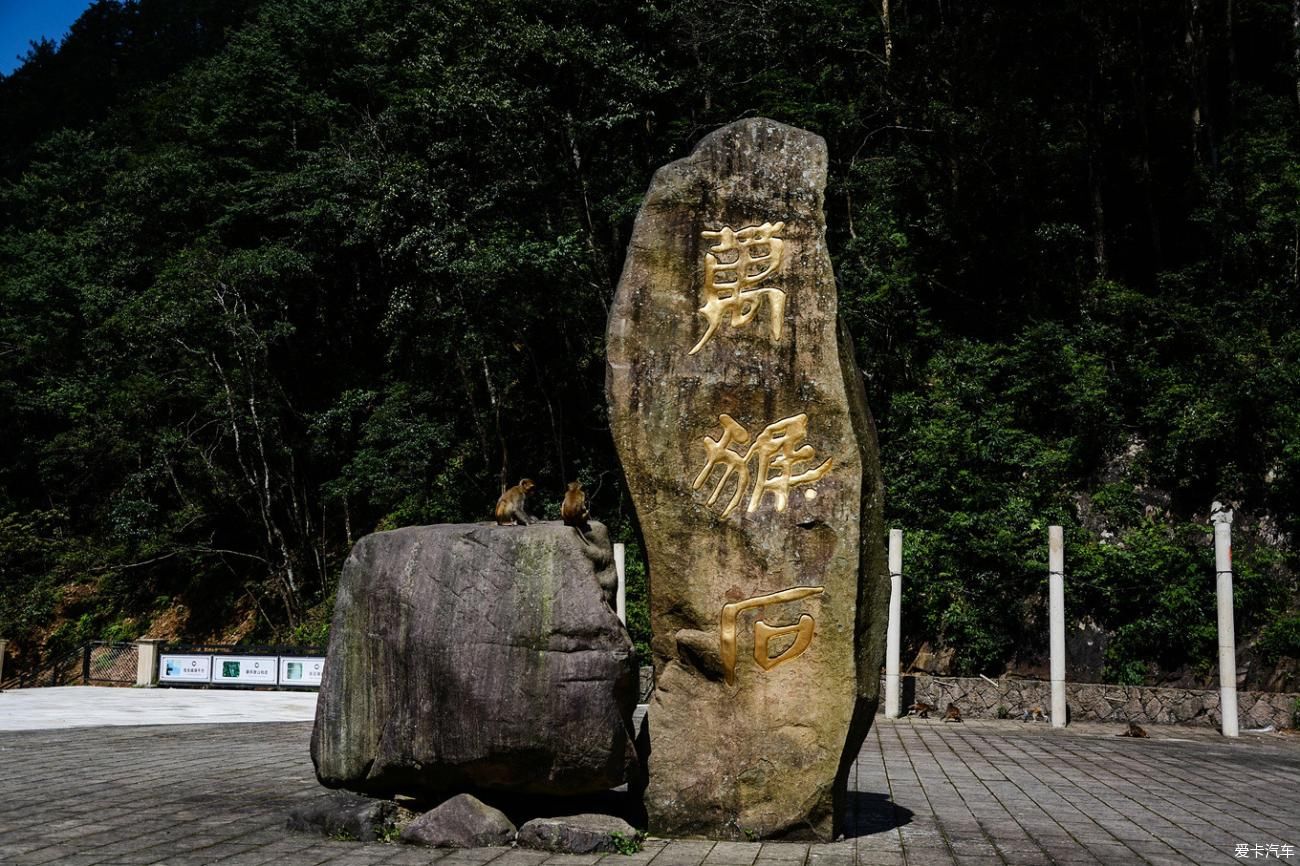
(461, 822)
(341, 814)
(574, 834)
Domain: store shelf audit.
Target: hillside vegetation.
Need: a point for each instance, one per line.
(277, 273)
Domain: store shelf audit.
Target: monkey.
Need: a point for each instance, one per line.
(1033, 714)
(1136, 731)
(922, 709)
(510, 507)
(952, 714)
(574, 510)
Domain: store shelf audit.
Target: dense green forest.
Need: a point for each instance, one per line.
(275, 274)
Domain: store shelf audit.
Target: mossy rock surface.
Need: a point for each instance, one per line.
(473, 657)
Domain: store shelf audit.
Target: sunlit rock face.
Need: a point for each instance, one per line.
(742, 425)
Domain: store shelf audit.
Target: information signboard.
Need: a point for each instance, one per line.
(184, 669)
(301, 670)
(244, 670)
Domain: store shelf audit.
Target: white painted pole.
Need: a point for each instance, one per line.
(620, 565)
(1056, 602)
(893, 639)
(1227, 631)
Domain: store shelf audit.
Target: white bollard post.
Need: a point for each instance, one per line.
(620, 565)
(1227, 631)
(893, 638)
(1056, 603)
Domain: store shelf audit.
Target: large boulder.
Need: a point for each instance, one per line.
(742, 424)
(477, 658)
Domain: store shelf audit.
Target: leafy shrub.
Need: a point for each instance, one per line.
(628, 845)
(1280, 639)
(314, 630)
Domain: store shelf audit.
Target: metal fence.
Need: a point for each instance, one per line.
(110, 663)
(95, 662)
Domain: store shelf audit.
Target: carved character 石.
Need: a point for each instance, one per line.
(764, 633)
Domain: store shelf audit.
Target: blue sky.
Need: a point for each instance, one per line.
(24, 21)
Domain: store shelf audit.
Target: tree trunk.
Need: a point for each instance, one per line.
(1145, 180)
(1295, 32)
(1203, 145)
(1094, 124)
(886, 24)
(1098, 214)
(1192, 46)
(1232, 67)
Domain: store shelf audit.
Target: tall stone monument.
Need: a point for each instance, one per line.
(742, 424)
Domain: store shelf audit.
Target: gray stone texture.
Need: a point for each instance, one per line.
(464, 821)
(575, 834)
(343, 815)
(979, 698)
(763, 753)
(923, 792)
(475, 657)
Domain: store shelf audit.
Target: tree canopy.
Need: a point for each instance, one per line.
(278, 273)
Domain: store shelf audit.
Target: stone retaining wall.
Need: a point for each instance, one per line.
(978, 698)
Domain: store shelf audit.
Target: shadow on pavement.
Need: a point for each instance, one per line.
(870, 813)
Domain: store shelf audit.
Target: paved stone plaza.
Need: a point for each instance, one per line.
(927, 793)
(83, 707)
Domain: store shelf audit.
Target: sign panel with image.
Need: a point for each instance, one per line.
(245, 670)
(184, 669)
(301, 670)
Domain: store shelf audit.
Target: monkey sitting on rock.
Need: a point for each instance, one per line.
(511, 508)
(574, 510)
(952, 714)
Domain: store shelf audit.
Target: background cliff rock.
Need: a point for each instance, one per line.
(471, 657)
(738, 750)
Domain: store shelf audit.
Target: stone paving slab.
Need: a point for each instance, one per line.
(92, 707)
(923, 793)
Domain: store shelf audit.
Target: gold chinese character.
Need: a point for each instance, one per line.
(764, 633)
(733, 269)
(778, 449)
(719, 451)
